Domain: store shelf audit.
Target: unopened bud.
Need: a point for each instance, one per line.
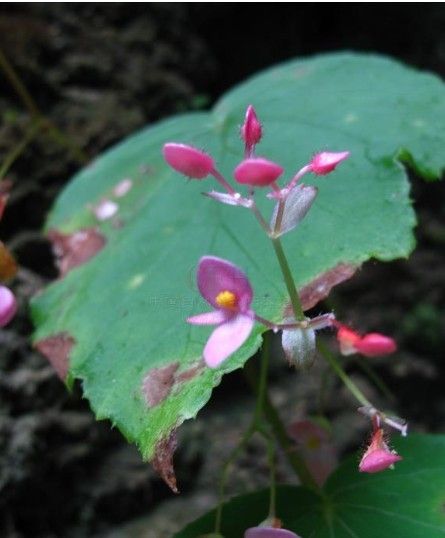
(376, 345)
(251, 130)
(8, 305)
(325, 162)
(257, 172)
(188, 160)
(378, 456)
(299, 347)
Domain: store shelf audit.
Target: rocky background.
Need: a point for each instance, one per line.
(93, 73)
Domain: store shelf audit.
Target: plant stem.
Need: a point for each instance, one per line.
(279, 431)
(45, 123)
(10, 158)
(273, 485)
(347, 381)
(288, 279)
(375, 378)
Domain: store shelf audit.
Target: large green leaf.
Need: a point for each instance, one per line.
(120, 316)
(407, 502)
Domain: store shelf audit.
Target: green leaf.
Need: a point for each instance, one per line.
(408, 501)
(120, 316)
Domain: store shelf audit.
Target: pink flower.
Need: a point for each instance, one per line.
(369, 345)
(251, 130)
(378, 456)
(225, 287)
(269, 532)
(8, 305)
(188, 160)
(257, 172)
(325, 162)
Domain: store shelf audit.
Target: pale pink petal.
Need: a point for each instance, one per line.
(227, 338)
(269, 532)
(216, 275)
(208, 318)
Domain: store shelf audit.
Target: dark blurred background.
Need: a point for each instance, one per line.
(93, 73)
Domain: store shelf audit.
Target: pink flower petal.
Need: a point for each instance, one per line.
(269, 532)
(188, 160)
(227, 338)
(8, 305)
(216, 275)
(257, 171)
(208, 318)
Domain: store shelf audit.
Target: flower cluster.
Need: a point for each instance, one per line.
(228, 291)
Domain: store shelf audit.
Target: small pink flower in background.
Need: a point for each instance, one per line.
(188, 160)
(316, 448)
(269, 532)
(8, 305)
(227, 289)
(257, 172)
(251, 130)
(325, 162)
(369, 345)
(378, 456)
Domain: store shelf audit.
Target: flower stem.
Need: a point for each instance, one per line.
(11, 157)
(222, 181)
(288, 279)
(347, 381)
(279, 431)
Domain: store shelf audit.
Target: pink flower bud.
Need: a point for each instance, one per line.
(8, 305)
(375, 345)
(251, 130)
(325, 162)
(257, 172)
(369, 345)
(378, 456)
(188, 160)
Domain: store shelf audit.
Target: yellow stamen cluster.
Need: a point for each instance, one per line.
(226, 299)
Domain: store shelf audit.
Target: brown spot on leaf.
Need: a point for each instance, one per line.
(57, 350)
(163, 460)
(190, 373)
(158, 383)
(320, 287)
(75, 249)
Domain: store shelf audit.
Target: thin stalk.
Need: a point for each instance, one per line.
(279, 219)
(260, 217)
(347, 381)
(11, 157)
(254, 426)
(278, 429)
(45, 123)
(222, 181)
(288, 279)
(376, 379)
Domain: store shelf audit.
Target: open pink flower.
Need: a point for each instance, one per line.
(227, 289)
(325, 162)
(378, 456)
(188, 160)
(369, 345)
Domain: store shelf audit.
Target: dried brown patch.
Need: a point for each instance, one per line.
(8, 266)
(158, 383)
(321, 286)
(190, 373)
(75, 249)
(57, 350)
(163, 460)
